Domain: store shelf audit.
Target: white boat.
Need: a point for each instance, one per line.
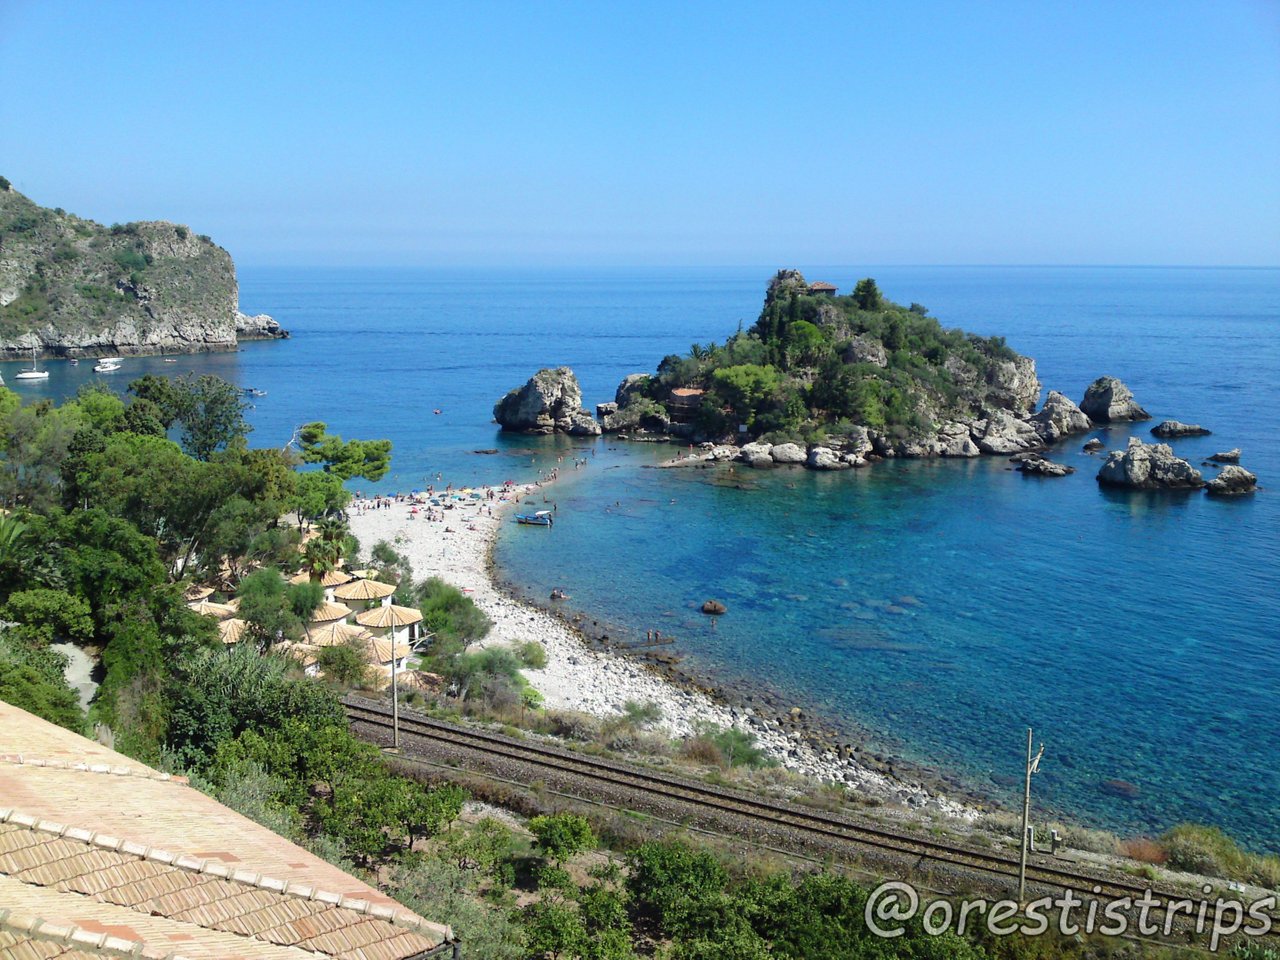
(107, 365)
(35, 373)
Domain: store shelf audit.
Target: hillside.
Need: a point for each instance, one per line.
(815, 364)
(73, 287)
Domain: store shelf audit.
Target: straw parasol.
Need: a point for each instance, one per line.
(336, 633)
(333, 578)
(233, 630)
(196, 592)
(327, 612)
(207, 608)
(381, 650)
(391, 615)
(364, 590)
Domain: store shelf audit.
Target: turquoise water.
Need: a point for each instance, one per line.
(939, 606)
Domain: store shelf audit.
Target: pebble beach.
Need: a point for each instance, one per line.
(577, 677)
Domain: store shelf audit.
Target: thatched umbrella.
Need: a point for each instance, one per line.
(364, 591)
(329, 612)
(389, 617)
(336, 633)
(207, 608)
(233, 630)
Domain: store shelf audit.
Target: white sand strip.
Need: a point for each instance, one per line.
(576, 677)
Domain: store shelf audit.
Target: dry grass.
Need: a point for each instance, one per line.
(1145, 851)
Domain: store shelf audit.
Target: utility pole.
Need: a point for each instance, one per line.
(396, 707)
(1033, 766)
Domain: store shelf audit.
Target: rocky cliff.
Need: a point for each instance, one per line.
(550, 402)
(71, 287)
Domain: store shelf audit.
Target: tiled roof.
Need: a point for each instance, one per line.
(84, 835)
(363, 590)
(391, 615)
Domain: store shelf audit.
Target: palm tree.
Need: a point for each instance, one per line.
(321, 557)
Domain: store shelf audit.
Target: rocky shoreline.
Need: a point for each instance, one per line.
(597, 677)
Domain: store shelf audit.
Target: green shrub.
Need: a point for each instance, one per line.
(562, 836)
(532, 654)
(1207, 850)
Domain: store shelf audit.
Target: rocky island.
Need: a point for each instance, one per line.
(70, 287)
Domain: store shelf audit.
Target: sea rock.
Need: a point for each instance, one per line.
(756, 454)
(955, 441)
(1172, 429)
(632, 385)
(788, 453)
(714, 608)
(551, 402)
(1093, 446)
(1227, 456)
(1040, 467)
(1144, 466)
(824, 458)
(1058, 418)
(605, 410)
(1108, 400)
(1232, 481)
(1001, 432)
(260, 327)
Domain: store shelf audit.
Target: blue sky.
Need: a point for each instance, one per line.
(530, 134)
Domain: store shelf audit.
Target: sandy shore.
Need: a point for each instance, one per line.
(579, 678)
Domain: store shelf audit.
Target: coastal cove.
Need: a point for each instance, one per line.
(1135, 631)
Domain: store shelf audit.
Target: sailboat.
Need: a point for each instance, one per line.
(35, 373)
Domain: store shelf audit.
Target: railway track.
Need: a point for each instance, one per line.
(817, 829)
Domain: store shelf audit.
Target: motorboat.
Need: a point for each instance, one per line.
(540, 519)
(107, 365)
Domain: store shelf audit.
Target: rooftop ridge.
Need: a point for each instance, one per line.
(222, 871)
(37, 928)
(143, 773)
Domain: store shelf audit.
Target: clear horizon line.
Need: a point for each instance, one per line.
(758, 266)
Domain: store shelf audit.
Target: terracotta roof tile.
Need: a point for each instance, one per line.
(155, 849)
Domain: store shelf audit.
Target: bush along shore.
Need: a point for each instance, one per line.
(833, 382)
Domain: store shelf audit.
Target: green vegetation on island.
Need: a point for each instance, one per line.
(815, 365)
(73, 287)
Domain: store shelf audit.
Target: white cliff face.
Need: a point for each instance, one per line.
(550, 402)
(1059, 418)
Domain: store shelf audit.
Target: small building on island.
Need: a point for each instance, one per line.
(823, 289)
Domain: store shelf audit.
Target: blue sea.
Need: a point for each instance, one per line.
(935, 608)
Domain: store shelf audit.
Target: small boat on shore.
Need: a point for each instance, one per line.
(540, 519)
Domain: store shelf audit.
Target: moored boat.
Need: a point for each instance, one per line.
(540, 519)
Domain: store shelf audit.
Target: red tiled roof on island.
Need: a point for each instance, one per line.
(103, 856)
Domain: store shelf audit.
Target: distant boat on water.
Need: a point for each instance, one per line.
(35, 373)
(107, 365)
(254, 392)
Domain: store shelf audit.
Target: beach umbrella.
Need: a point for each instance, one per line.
(364, 590)
(329, 612)
(232, 630)
(331, 579)
(207, 608)
(390, 616)
(336, 633)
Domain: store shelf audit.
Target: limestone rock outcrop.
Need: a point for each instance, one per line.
(824, 458)
(1227, 456)
(1232, 481)
(551, 402)
(1108, 400)
(1035, 465)
(1058, 418)
(788, 453)
(70, 287)
(1000, 432)
(1148, 466)
(1172, 429)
